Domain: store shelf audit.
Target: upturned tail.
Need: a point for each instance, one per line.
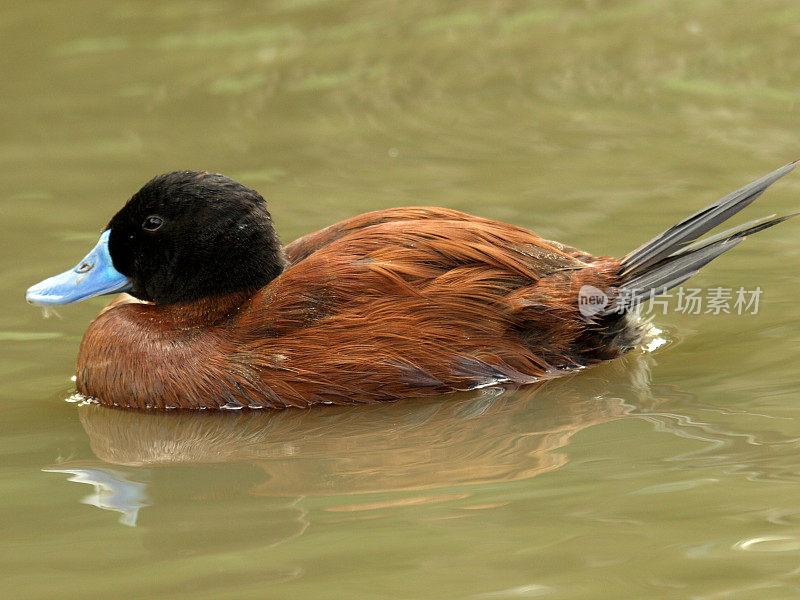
(675, 255)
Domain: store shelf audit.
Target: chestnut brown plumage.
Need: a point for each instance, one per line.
(390, 304)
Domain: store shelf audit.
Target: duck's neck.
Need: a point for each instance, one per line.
(205, 312)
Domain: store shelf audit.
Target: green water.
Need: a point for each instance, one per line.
(670, 474)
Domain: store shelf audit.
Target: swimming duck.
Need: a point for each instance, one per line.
(214, 312)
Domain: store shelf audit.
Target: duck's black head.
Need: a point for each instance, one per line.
(189, 235)
(184, 236)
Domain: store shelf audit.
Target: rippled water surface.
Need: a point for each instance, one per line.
(669, 474)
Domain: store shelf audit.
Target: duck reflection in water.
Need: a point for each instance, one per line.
(417, 452)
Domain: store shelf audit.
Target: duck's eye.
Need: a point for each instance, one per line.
(152, 223)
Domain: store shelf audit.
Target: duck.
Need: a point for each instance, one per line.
(214, 312)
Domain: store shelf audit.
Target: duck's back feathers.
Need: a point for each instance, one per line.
(414, 217)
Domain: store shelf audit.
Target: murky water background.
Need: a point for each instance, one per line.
(674, 474)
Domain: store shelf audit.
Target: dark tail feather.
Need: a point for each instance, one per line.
(640, 260)
(674, 256)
